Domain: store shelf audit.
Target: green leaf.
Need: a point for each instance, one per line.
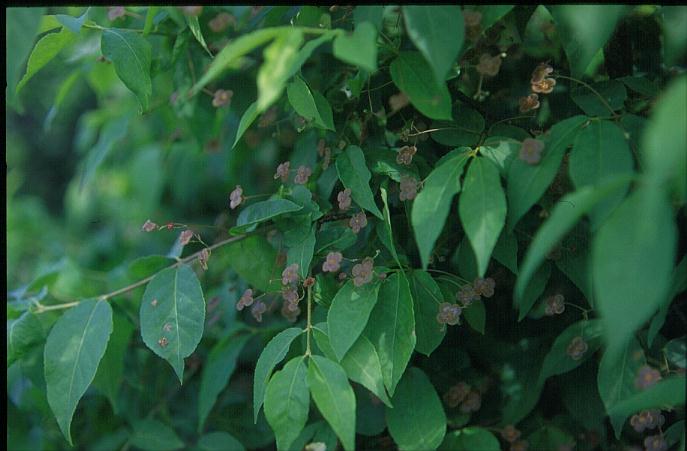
(639, 238)
(302, 100)
(259, 212)
(641, 85)
(217, 371)
(601, 153)
(131, 55)
(232, 53)
(247, 119)
(412, 74)
(550, 437)
(666, 394)
(674, 35)
(280, 56)
(151, 435)
(359, 48)
(674, 351)
(173, 315)
(476, 315)
(72, 23)
(463, 131)
(427, 298)
(391, 328)
(197, 33)
(260, 268)
(73, 350)
(110, 373)
(62, 92)
(527, 183)
(612, 91)
(501, 153)
(386, 233)
(361, 362)
(219, 441)
(532, 290)
(150, 17)
(558, 361)
(470, 438)
(564, 216)
(302, 252)
(46, 49)
(287, 402)
(274, 352)
(306, 51)
(584, 30)
(506, 251)
(348, 315)
(112, 132)
(428, 27)
(22, 335)
(482, 209)
(663, 142)
(417, 420)
(677, 286)
(325, 110)
(432, 204)
(616, 378)
(355, 176)
(21, 26)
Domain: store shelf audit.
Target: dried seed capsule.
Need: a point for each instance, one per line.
(236, 197)
(531, 102)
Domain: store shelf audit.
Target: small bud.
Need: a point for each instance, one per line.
(185, 237)
(326, 160)
(320, 147)
(342, 276)
(154, 302)
(309, 282)
(510, 433)
(530, 151)
(236, 197)
(222, 97)
(344, 198)
(531, 102)
(257, 310)
(332, 262)
(489, 65)
(302, 175)
(577, 348)
(149, 226)
(115, 12)
(398, 101)
(646, 377)
(362, 272)
(170, 226)
(290, 274)
(283, 171)
(358, 221)
(203, 258)
(163, 342)
(408, 186)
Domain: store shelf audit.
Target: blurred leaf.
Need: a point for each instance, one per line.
(46, 49)
(427, 298)
(255, 260)
(433, 203)
(369, 13)
(197, 33)
(287, 402)
(558, 361)
(23, 334)
(131, 55)
(355, 175)
(550, 437)
(173, 315)
(470, 438)
(348, 315)
(217, 371)
(417, 420)
(675, 351)
(259, 212)
(413, 76)
(302, 100)
(641, 85)
(527, 183)
(150, 19)
(612, 91)
(151, 435)
(21, 25)
(219, 441)
(274, 352)
(247, 119)
(506, 251)
(678, 285)
(482, 209)
(531, 290)
(333, 397)
(584, 30)
(74, 348)
(391, 328)
(359, 48)
(64, 89)
(112, 132)
(601, 153)
(464, 130)
(428, 27)
(72, 23)
(639, 238)
(674, 33)
(279, 57)
(476, 315)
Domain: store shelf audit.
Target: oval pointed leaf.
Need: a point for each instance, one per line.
(359, 48)
(527, 183)
(219, 441)
(274, 352)
(287, 402)
(600, 153)
(217, 370)
(391, 328)
(263, 211)
(412, 74)
(417, 421)
(22, 334)
(432, 204)
(437, 31)
(73, 350)
(47, 48)
(334, 397)
(151, 435)
(260, 268)
(173, 315)
(470, 438)
(355, 175)
(427, 298)
(558, 361)
(303, 100)
(247, 119)
(131, 55)
(482, 209)
(348, 315)
(640, 238)
(280, 56)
